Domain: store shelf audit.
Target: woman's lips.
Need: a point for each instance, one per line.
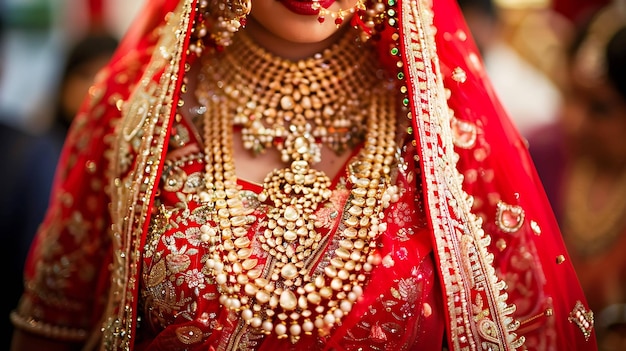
(306, 7)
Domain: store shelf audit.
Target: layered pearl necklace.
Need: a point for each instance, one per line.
(331, 98)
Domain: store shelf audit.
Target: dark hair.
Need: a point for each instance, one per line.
(616, 60)
(606, 30)
(91, 46)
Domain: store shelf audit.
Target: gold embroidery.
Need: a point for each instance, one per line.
(459, 75)
(548, 312)
(464, 133)
(137, 113)
(452, 214)
(143, 130)
(501, 244)
(583, 318)
(509, 218)
(189, 335)
(535, 227)
(488, 330)
(48, 330)
(157, 275)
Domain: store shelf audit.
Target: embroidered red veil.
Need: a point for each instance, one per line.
(506, 280)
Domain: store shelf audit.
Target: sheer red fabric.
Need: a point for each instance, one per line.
(498, 275)
(498, 170)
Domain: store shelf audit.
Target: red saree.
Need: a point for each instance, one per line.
(472, 258)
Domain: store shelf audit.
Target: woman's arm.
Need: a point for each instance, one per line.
(24, 341)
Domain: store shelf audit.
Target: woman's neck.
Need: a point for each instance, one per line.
(287, 49)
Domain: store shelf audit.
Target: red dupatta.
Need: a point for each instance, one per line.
(513, 231)
(505, 274)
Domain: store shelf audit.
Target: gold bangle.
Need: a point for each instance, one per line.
(34, 326)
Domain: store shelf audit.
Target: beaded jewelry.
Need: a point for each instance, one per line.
(227, 17)
(294, 106)
(288, 294)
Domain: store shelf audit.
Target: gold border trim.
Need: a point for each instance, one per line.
(478, 313)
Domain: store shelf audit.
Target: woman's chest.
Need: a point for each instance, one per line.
(292, 258)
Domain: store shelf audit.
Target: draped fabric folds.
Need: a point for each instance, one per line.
(500, 277)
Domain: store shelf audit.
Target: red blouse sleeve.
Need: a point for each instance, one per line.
(65, 280)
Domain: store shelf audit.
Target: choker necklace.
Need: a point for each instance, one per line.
(283, 104)
(282, 290)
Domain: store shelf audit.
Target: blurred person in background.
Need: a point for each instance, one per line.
(526, 92)
(31, 161)
(581, 160)
(84, 60)
(28, 164)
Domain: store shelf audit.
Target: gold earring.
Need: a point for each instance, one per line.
(369, 18)
(226, 17)
(338, 16)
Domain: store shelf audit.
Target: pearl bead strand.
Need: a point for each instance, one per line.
(286, 295)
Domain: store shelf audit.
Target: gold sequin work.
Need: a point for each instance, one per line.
(284, 296)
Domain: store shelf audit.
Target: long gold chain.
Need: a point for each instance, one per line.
(287, 294)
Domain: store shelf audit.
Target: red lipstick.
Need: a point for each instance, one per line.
(306, 7)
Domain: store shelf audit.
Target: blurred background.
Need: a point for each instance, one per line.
(37, 36)
(50, 51)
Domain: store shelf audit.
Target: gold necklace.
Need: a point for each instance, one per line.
(287, 294)
(296, 106)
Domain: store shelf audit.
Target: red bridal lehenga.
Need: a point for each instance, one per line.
(435, 235)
